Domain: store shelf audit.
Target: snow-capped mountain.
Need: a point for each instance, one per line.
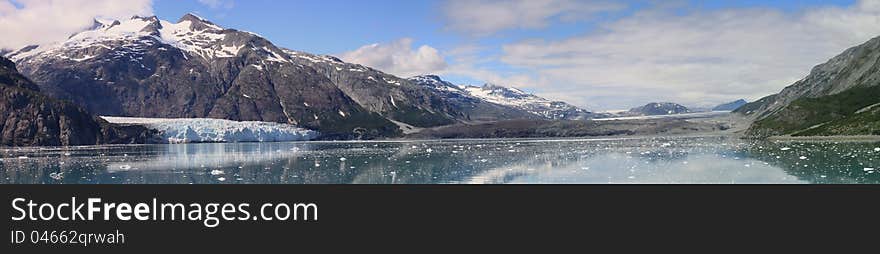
(508, 97)
(146, 67)
(193, 68)
(660, 108)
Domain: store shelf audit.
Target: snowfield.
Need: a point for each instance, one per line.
(203, 130)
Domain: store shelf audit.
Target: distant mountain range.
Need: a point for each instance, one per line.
(839, 97)
(730, 106)
(147, 67)
(659, 108)
(510, 98)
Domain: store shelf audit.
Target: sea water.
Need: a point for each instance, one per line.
(654, 160)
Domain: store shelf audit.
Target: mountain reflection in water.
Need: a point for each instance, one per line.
(561, 161)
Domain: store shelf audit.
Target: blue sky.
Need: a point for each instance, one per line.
(328, 27)
(599, 54)
(334, 26)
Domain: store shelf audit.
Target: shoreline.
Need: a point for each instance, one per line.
(826, 138)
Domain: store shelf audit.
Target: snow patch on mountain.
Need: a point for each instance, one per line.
(191, 34)
(204, 42)
(507, 96)
(203, 130)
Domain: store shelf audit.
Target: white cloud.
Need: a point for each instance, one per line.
(697, 58)
(484, 17)
(44, 21)
(398, 58)
(218, 4)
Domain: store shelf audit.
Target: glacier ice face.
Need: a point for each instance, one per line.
(203, 130)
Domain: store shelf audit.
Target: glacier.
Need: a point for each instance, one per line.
(205, 130)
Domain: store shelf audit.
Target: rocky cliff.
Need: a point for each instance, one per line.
(32, 119)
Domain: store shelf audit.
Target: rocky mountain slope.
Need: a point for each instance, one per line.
(838, 97)
(32, 119)
(147, 67)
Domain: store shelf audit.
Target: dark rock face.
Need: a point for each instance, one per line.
(837, 93)
(730, 106)
(9, 76)
(31, 119)
(656, 109)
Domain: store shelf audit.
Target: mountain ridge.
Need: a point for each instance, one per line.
(148, 67)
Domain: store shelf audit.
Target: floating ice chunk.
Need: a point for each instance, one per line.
(56, 175)
(217, 172)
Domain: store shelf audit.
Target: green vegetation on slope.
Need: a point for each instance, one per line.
(827, 115)
(865, 123)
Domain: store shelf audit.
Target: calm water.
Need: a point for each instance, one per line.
(637, 160)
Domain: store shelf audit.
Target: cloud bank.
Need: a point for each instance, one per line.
(398, 58)
(28, 22)
(485, 17)
(697, 57)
